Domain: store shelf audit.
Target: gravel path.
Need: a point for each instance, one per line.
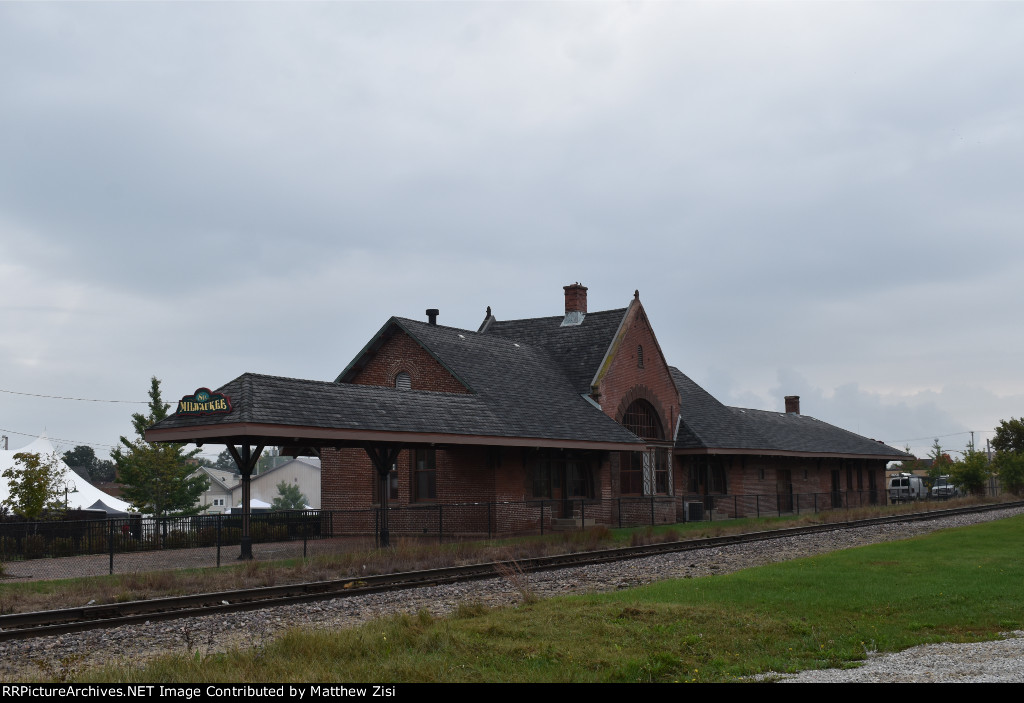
(63, 654)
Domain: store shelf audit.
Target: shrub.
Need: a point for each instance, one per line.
(34, 547)
(63, 547)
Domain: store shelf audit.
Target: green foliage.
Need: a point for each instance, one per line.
(270, 459)
(289, 497)
(1009, 461)
(942, 465)
(157, 478)
(103, 472)
(972, 472)
(82, 459)
(37, 485)
(1009, 436)
(1010, 466)
(958, 586)
(225, 462)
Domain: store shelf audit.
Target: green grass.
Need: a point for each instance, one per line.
(827, 611)
(405, 555)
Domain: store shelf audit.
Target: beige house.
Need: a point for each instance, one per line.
(296, 472)
(217, 498)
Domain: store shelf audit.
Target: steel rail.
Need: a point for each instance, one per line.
(53, 622)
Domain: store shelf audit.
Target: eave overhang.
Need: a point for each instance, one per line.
(720, 451)
(251, 433)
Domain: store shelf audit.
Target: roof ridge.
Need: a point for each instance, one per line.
(436, 326)
(558, 317)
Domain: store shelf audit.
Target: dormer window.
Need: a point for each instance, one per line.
(403, 381)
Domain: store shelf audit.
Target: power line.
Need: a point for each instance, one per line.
(936, 436)
(63, 441)
(80, 444)
(87, 400)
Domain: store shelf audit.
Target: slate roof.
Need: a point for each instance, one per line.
(527, 379)
(705, 423)
(510, 405)
(578, 350)
(519, 381)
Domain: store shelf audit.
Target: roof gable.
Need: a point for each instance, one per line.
(578, 350)
(390, 333)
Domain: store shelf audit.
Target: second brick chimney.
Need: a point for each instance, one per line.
(575, 298)
(793, 404)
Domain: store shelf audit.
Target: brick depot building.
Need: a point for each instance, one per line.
(577, 410)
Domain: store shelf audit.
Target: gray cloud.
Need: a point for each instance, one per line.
(824, 192)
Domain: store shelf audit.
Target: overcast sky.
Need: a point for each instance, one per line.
(819, 199)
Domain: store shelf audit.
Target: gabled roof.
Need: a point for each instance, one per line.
(578, 350)
(324, 413)
(527, 384)
(393, 326)
(706, 424)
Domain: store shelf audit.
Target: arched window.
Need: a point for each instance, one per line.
(639, 356)
(642, 420)
(647, 472)
(403, 381)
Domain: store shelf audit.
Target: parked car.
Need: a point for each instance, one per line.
(904, 487)
(944, 488)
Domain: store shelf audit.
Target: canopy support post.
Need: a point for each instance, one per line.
(383, 457)
(246, 460)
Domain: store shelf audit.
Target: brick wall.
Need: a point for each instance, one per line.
(625, 380)
(629, 378)
(402, 353)
(811, 478)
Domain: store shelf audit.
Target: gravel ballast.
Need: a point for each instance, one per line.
(60, 655)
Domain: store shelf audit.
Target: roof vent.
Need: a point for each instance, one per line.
(574, 318)
(432, 314)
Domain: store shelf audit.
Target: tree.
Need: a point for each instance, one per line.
(1009, 436)
(289, 497)
(971, 472)
(156, 478)
(1010, 466)
(37, 485)
(1009, 461)
(82, 459)
(226, 463)
(270, 459)
(103, 472)
(941, 465)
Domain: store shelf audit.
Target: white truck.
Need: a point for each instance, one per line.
(904, 487)
(944, 488)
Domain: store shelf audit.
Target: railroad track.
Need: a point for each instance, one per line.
(55, 622)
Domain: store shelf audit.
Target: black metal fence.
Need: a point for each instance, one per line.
(100, 546)
(136, 535)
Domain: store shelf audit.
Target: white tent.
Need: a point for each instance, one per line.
(81, 494)
(254, 504)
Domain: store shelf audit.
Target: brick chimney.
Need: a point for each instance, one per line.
(793, 404)
(575, 298)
